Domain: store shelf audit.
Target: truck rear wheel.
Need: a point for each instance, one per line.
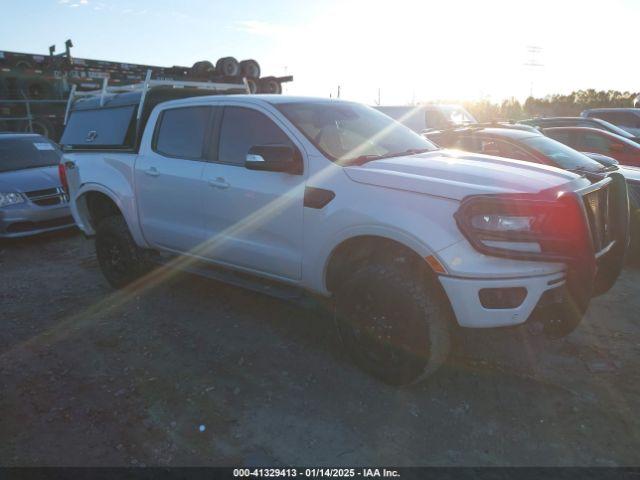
(393, 323)
(120, 259)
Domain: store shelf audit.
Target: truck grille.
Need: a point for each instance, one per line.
(47, 197)
(597, 205)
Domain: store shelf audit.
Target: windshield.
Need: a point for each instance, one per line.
(565, 157)
(27, 152)
(348, 131)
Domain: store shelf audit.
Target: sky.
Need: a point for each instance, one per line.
(402, 50)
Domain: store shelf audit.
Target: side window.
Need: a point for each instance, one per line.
(104, 127)
(630, 120)
(504, 149)
(181, 132)
(561, 136)
(591, 142)
(468, 144)
(622, 119)
(243, 128)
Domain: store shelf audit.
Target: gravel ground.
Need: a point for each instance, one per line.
(193, 372)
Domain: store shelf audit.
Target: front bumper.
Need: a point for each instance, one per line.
(464, 296)
(27, 219)
(586, 273)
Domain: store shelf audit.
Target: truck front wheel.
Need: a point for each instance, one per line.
(393, 322)
(120, 259)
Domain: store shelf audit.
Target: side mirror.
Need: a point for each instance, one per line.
(274, 158)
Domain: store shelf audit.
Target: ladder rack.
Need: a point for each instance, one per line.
(147, 86)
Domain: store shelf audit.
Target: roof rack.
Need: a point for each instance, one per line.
(145, 87)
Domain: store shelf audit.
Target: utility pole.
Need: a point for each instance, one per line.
(533, 63)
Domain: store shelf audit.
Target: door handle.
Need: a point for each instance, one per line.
(219, 182)
(152, 172)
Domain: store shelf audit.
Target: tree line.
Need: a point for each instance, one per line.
(550, 106)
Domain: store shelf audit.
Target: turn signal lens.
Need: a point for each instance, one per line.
(435, 264)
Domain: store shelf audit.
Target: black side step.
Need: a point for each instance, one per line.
(246, 281)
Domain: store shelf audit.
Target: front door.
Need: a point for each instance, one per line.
(253, 219)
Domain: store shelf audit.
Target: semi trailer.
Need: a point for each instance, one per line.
(34, 88)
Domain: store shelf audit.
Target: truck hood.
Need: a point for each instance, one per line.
(455, 174)
(29, 179)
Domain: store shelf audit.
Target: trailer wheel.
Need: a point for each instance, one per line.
(228, 67)
(203, 68)
(37, 90)
(24, 65)
(393, 322)
(270, 85)
(250, 68)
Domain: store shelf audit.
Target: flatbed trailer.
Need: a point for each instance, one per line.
(34, 89)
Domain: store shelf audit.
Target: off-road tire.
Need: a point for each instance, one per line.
(120, 259)
(394, 322)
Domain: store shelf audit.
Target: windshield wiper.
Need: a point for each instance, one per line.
(587, 171)
(362, 159)
(411, 151)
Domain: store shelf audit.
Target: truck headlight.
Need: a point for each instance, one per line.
(10, 199)
(503, 223)
(549, 226)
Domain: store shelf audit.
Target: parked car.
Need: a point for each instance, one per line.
(591, 122)
(332, 200)
(515, 143)
(626, 118)
(31, 196)
(420, 118)
(538, 148)
(593, 140)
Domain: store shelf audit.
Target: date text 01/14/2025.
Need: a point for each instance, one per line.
(316, 472)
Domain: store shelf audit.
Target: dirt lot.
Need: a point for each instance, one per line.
(193, 372)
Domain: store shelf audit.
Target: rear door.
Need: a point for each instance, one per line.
(169, 179)
(253, 219)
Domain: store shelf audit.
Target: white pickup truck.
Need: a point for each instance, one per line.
(336, 201)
